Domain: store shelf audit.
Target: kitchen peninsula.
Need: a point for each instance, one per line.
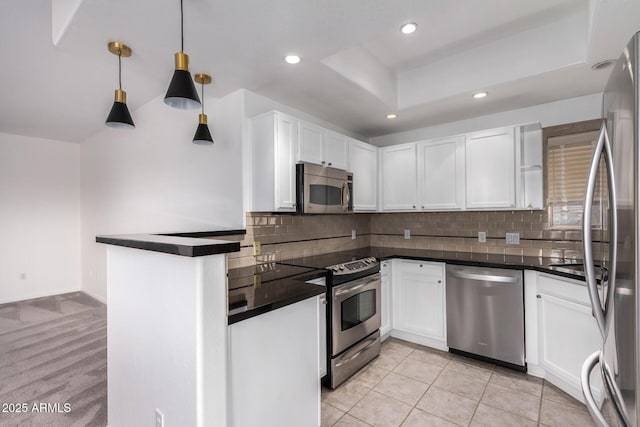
(174, 354)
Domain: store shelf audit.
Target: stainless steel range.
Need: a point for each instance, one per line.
(353, 318)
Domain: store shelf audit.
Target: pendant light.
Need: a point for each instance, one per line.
(119, 116)
(203, 136)
(182, 92)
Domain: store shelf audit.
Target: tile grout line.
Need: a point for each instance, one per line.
(484, 390)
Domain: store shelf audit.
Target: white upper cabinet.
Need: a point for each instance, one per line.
(336, 150)
(274, 142)
(531, 190)
(322, 147)
(441, 174)
(490, 163)
(363, 162)
(311, 139)
(398, 177)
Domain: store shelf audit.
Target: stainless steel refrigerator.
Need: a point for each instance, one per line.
(615, 299)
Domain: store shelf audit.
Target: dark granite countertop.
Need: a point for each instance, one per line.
(570, 268)
(172, 244)
(263, 288)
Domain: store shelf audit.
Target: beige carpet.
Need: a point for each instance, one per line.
(53, 362)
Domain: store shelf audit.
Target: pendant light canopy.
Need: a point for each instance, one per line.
(119, 116)
(182, 92)
(203, 136)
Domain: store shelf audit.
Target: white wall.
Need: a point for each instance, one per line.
(153, 179)
(39, 217)
(550, 114)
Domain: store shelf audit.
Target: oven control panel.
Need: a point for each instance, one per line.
(354, 266)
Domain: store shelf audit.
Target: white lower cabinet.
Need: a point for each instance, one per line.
(419, 302)
(267, 351)
(385, 299)
(566, 333)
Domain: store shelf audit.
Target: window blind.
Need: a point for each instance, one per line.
(568, 162)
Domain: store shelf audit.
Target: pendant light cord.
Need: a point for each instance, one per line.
(181, 28)
(120, 69)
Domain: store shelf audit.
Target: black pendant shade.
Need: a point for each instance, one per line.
(182, 92)
(202, 136)
(119, 117)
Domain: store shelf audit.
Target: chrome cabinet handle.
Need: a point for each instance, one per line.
(599, 309)
(587, 367)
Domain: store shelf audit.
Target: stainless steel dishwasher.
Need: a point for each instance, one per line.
(485, 314)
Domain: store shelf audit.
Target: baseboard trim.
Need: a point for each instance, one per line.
(94, 295)
(40, 295)
(417, 339)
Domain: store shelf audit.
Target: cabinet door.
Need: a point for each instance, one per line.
(385, 298)
(363, 162)
(398, 178)
(490, 169)
(441, 174)
(419, 300)
(336, 151)
(568, 334)
(285, 171)
(310, 143)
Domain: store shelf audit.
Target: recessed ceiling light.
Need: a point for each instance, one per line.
(479, 95)
(603, 64)
(409, 28)
(392, 116)
(292, 59)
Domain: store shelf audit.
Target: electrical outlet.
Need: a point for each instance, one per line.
(407, 234)
(257, 250)
(513, 238)
(159, 418)
(482, 236)
(353, 234)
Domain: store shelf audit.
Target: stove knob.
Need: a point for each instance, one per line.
(335, 268)
(342, 267)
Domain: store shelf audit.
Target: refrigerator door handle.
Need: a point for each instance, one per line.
(613, 225)
(599, 309)
(587, 367)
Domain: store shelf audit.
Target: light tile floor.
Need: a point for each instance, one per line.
(414, 386)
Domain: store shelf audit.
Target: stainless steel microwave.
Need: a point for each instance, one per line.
(323, 190)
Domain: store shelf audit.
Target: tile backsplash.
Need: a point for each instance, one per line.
(287, 236)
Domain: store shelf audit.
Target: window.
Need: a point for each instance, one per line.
(568, 163)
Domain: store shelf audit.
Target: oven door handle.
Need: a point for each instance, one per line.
(358, 353)
(354, 289)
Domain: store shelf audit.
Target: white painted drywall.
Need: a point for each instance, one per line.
(550, 114)
(153, 179)
(167, 339)
(39, 217)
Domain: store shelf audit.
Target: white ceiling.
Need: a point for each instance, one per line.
(356, 67)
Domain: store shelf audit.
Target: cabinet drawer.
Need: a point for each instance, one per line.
(574, 290)
(432, 269)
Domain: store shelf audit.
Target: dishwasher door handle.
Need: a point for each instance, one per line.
(483, 277)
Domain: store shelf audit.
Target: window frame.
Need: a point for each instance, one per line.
(564, 130)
